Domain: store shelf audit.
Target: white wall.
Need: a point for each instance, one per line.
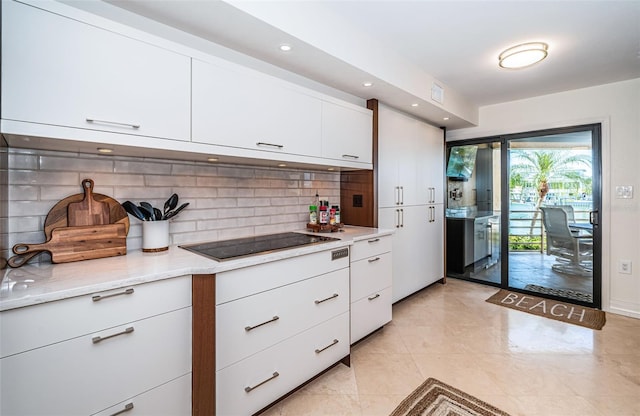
(617, 107)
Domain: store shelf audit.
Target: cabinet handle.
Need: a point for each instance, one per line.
(127, 407)
(376, 296)
(351, 156)
(402, 195)
(115, 123)
(319, 350)
(372, 260)
(249, 388)
(402, 217)
(397, 218)
(279, 146)
(249, 328)
(97, 298)
(335, 295)
(97, 339)
(373, 241)
(397, 194)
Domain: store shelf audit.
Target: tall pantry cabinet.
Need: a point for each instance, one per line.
(410, 198)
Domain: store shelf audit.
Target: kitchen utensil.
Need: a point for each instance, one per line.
(147, 212)
(88, 211)
(69, 244)
(157, 214)
(133, 209)
(147, 206)
(172, 214)
(170, 204)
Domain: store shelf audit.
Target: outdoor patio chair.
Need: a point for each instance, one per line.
(574, 252)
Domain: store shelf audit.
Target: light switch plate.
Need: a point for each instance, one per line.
(624, 192)
(624, 266)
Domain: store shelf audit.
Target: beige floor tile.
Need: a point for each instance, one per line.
(523, 364)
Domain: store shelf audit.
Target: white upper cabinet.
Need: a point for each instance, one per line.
(58, 71)
(346, 133)
(248, 110)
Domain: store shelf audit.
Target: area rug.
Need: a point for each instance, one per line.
(435, 398)
(552, 309)
(563, 293)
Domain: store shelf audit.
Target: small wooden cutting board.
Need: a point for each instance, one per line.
(88, 211)
(69, 244)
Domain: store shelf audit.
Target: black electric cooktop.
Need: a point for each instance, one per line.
(251, 246)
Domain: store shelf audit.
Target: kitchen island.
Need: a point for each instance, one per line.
(51, 314)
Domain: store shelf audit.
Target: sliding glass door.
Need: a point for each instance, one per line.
(535, 198)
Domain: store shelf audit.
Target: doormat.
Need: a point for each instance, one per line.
(552, 309)
(563, 293)
(436, 398)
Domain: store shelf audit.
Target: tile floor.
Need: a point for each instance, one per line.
(521, 363)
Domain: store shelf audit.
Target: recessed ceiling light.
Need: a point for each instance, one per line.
(285, 48)
(212, 159)
(104, 150)
(367, 84)
(331, 169)
(445, 118)
(415, 105)
(523, 55)
(282, 165)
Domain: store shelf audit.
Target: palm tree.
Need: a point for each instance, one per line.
(542, 166)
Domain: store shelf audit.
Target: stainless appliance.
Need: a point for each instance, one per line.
(252, 246)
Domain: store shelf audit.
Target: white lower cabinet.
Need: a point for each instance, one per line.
(170, 399)
(371, 285)
(273, 339)
(253, 383)
(89, 371)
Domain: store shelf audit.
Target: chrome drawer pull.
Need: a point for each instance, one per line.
(279, 146)
(376, 296)
(127, 407)
(335, 341)
(97, 339)
(93, 120)
(249, 388)
(374, 241)
(351, 156)
(335, 295)
(372, 260)
(249, 328)
(96, 298)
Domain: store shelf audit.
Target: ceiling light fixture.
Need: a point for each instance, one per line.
(415, 105)
(523, 55)
(367, 84)
(212, 159)
(285, 47)
(105, 150)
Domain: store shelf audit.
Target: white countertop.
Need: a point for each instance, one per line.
(34, 284)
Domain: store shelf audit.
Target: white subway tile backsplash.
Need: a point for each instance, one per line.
(62, 164)
(226, 201)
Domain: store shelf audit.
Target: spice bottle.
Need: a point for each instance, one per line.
(337, 208)
(324, 215)
(332, 216)
(313, 214)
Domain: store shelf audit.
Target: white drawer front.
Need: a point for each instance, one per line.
(370, 313)
(170, 399)
(370, 247)
(239, 283)
(294, 360)
(297, 307)
(81, 376)
(44, 324)
(370, 274)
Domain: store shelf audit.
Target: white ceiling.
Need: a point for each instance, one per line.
(404, 46)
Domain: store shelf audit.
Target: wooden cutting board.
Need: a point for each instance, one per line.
(58, 218)
(88, 211)
(69, 244)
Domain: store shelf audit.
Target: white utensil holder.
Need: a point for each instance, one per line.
(155, 236)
